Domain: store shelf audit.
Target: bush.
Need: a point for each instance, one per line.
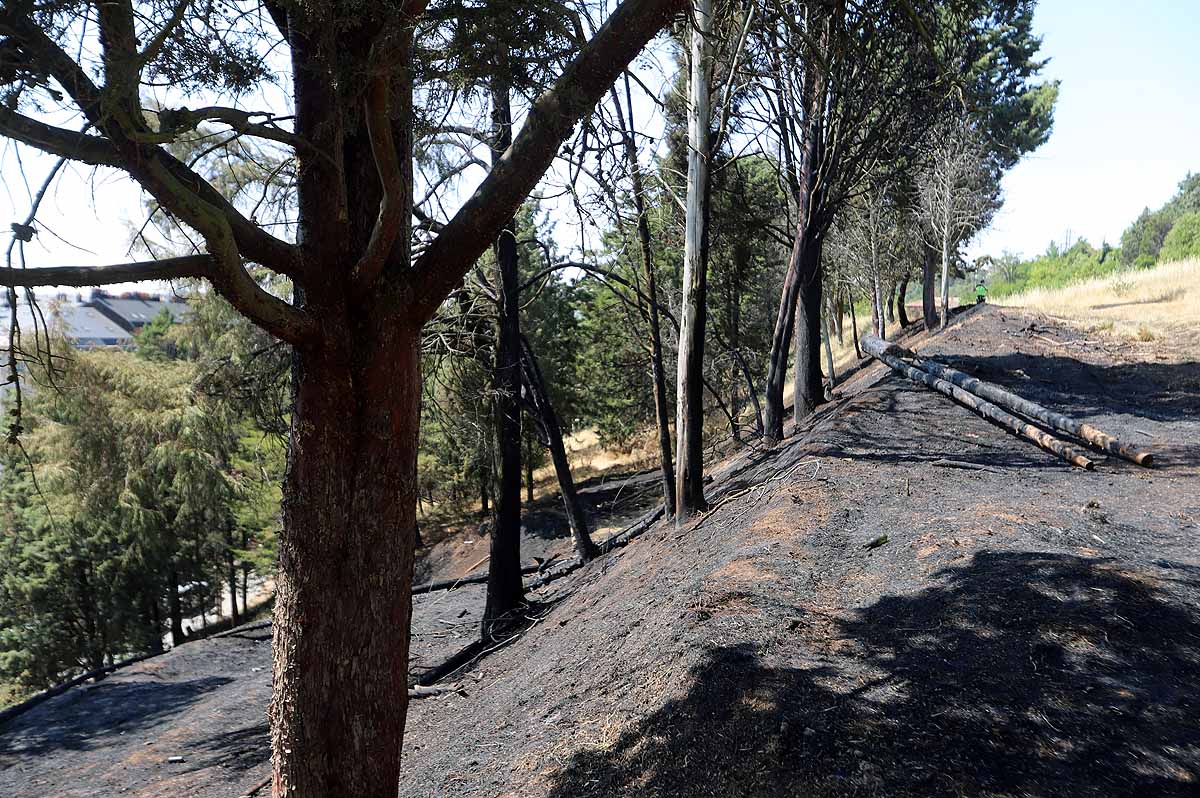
(1183, 241)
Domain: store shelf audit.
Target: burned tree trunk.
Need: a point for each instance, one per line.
(928, 289)
(505, 590)
(689, 417)
(553, 439)
(174, 608)
(901, 309)
(808, 389)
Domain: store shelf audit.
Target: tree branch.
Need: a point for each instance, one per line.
(550, 121)
(391, 206)
(79, 276)
(58, 141)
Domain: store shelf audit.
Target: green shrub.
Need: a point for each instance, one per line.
(1183, 241)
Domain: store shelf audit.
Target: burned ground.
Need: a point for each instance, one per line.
(1027, 629)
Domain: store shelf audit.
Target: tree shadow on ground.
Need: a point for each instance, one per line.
(1157, 391)
(1019, 674)
(89, 717)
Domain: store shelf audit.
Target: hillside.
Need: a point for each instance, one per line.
(1027, 629)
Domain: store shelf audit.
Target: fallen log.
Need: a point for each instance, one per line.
(1059, 421)
(882, 352)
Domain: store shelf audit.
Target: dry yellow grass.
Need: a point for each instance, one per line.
(1143, 305)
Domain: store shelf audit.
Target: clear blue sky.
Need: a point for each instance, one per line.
(1126, 129)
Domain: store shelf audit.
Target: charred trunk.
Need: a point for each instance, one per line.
(928, 289)
(174, 607)
(901, 294)
(808, 389)
(505, 591)
(689, 418)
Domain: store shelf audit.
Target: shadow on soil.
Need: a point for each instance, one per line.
(113, 709)
(1019, 674)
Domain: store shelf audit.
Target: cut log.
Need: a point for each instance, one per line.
(881, 351)
(1018, 404)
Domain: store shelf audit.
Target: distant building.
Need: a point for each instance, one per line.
(133, 310)
(104, 320)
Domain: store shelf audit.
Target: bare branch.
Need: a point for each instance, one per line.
(79, 276)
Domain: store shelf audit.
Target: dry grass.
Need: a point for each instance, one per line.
(1138, 305)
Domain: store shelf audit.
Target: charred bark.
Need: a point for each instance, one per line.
(505, 591)
(689, 418)
(928, 289)
(901, 309)
(807, 385)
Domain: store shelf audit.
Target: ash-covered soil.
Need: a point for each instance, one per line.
(1028, 629)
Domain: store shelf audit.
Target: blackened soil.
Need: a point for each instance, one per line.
(1028, 629)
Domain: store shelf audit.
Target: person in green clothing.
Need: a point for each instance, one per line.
(980, 292)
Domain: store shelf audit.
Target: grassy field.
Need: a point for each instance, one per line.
(1144, 305)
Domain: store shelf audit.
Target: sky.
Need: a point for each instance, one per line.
(1127, 130)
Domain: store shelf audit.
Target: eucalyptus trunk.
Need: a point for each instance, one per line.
(689, 455)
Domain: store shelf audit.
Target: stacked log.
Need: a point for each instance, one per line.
(879, 350)
(988, 399)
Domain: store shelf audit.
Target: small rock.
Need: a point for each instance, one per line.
(175, 760)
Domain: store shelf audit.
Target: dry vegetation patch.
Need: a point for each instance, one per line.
(1143, 305)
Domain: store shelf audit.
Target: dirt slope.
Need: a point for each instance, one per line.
(1027, 630)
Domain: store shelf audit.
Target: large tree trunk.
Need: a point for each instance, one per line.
(689, 418)
(808, 389)
(576, 518)
(901, 309)
(891, 303)
(928, 292)
(662, 412)
(799, 268)
(343, 601)
(505, 590)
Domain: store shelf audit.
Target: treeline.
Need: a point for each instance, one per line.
(1170, 233)
(143, 495)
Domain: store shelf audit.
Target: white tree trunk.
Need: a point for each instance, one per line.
(945, 279)
(688, 453)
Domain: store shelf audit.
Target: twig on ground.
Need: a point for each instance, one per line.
(943, 463)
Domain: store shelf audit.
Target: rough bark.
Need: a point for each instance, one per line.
(800, 269)
(891, 303)
(504, 588)
(346, 551)
(689, 417)
(807, 385)
(928, 291)
(901, 308)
